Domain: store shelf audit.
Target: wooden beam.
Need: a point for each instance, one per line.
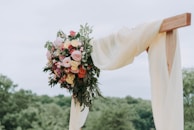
(176, 22)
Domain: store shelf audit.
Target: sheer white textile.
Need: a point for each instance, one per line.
(119, 49)
(78, 115)
(167, 92)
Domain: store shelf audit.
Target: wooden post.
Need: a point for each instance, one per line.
(176, 22)
(170, 48)
(169, 25)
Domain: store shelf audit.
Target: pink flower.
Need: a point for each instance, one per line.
(48, 54)
(61, 57)
(66, 62)
(72, 33)
(82, 48)
(58, 64)
(58, 42)
(76, 55)
(57, 72)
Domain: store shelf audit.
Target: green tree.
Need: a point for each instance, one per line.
(114, 118)
(23, 110)
(62, 101)
(18, 102)
(1, 127)
(51, 117)
(120, 114)
(142, 115)
(6, 87)
(188, 83)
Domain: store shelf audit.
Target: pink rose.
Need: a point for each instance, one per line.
(58, 42)
(58, 64)
(76, 55)
(61, 57)
(82, 48)
(66, 62)
(72, 33)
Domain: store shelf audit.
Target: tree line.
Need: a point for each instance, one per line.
(25, 110)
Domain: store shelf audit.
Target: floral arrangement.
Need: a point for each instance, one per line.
(70, 65)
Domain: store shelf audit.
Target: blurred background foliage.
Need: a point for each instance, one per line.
(24, 110)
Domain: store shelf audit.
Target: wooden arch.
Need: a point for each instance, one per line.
(168, 26)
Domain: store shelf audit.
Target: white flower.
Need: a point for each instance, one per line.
(58, 42)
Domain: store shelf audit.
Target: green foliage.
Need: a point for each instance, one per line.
(115, 118)
(23, 110)
(6, 87)
(120, 114)
(50, 117)
(188, 83)
(6, 84)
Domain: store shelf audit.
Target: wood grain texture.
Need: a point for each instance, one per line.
(170, 48)
(175, 22)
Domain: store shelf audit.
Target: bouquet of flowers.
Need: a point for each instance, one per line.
(70, 65)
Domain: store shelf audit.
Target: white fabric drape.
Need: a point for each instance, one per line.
(119, 49)
(78, 115)
(167, 92)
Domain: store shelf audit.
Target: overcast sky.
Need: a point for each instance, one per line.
(25, 26)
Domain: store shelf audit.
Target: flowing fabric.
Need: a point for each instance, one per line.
(119, 49)
(167, 92)
(78, 115)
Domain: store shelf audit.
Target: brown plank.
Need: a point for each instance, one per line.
(170, 48)
(176, 22)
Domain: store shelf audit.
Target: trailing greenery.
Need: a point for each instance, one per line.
(24, 110)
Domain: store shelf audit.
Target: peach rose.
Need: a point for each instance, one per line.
(70, 78)
(66, 44)
(74, 66)
(75, 43)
